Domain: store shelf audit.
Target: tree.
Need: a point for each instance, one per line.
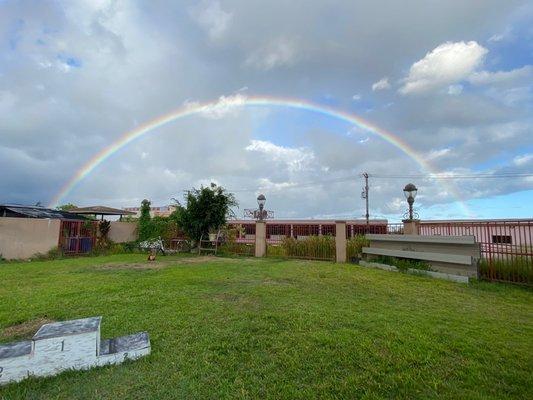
(66, 207)
(144, 223)
(205, 209)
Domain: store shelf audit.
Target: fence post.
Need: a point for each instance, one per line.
(411, 226)
(260, 239)
(340, 241)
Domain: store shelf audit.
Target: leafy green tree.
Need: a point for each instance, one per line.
(144, 225)
(205, 209)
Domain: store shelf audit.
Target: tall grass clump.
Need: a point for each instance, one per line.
(313, 247)
(354, 246)
(517, 269)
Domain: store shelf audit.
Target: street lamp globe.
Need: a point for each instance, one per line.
(261, 200)
(410, 191)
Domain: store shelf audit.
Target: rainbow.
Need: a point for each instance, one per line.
(218, 108)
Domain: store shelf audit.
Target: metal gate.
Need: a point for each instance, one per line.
(77, 237)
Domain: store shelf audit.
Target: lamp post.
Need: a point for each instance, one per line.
(261, 200)
(410, 191)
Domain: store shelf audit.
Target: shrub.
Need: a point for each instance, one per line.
(52, 254)
(403, 264)
(230, 245)
(318, 247)
(276, 251)
(130, 247)
(355, 245)
(518, 269)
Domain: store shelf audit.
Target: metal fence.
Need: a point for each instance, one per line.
(506, 246)
(241, 240)
(305, 241)
(77, 237)
(314, 240)
(395, 229)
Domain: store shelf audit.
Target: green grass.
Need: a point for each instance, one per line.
(249, 328)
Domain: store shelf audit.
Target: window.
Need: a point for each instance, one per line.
(503, 239)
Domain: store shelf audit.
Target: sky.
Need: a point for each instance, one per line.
(452, 80)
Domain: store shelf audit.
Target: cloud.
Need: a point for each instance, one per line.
(226, 105)
(523, 159)
(212, 18)
(134, 66)
(296, 159)
(486, 77)
(454, 90)
(356, 97)
(447, 64)
(281, 52)
(382, 84)
(434, 154)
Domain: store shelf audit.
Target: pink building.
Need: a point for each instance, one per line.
(277, 230)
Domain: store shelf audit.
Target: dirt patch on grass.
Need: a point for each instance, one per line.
(226, 297)
(24, 330)
(159, 264)
(279, 281)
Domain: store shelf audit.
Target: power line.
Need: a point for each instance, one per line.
(456, 177)
(510, 175)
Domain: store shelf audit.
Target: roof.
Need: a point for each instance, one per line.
(21, 211)
(73, 327)
(100, 210)
(15, 349)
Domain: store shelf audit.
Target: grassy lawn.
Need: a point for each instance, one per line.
(249, 328)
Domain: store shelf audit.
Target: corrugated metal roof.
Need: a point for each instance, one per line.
(21, 211)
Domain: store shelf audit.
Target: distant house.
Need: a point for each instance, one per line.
(161, 211)
(21, 211)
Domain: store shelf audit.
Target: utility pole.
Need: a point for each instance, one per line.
(364, 195)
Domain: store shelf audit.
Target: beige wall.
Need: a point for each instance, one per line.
(260, 239)
(340, 241)
(25, 237)
(121, 232)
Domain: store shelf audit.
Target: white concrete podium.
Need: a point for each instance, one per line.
(61, 346)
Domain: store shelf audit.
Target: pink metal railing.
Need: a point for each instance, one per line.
(506, 245)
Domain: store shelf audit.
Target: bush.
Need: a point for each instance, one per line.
(53, 254)
(355, 245)
(403, 264)
(276, 251)
(230, 245)
(317, 247)
(130, 247)
(518, 269)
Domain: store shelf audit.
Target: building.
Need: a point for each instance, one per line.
(277, 230)
(162, 211)
(497, 233)
(67, 345)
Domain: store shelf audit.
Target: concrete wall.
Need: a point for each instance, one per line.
(260, 239)
(122, 232)
(25, 237)
(340, 241)
(457, 255)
